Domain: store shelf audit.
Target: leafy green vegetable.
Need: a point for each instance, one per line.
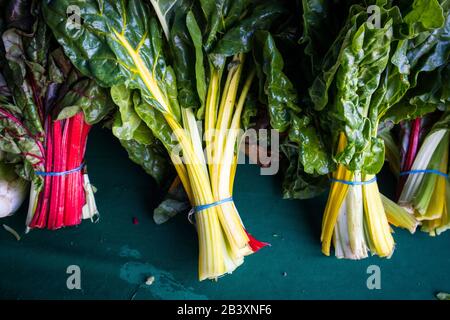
(280, 93)
(238, 38)
(369, 74)
(296, 183)
(151, 157)
(425, 60)
(322, 20)
(127, 124)
(45, 117)
(303, 147)
(175, 201)
(197, 39)
(137, 137)
(120, 44)
(425, 15)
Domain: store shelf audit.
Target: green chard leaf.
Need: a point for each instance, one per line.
(303, 147)
(356, 75)
(17, 70)
(250, 111)
(322, 21)
(319, 90)
(140, 130)
(312, 154)
(196, 36)
(121, 44)
(126, 120)
(151, 157)
(280, 93)
(425, 15)
(184, 52)
(239, 38)
(296, 183)
(423, 85)
(85, 95)
(220, 15)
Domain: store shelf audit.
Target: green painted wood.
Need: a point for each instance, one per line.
(115, 255)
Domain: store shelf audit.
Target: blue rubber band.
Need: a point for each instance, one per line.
(432, 171)
(62, 173)
(210, 205)
(354, 183)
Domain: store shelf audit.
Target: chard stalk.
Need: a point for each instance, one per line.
(413, 144)
(33, 201)
(411, 151)
(349, 242)
(427, 188)
(378, 229)
(225, 114)
(338, 192)
(340, 236)
(212, 101)
(436, 203)
(232, 221)
(212, 255)
(445, 218)
(90, 208)
(398, 216)
(355, 218)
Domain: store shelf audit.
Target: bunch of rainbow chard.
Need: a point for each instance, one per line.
(417, 149)
(369, 67)
(180, 73)
(423, 188)
(46, 119)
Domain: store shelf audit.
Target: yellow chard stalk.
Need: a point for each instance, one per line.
(376, 220)
(436, 219)
(338, 192)
(399, 216)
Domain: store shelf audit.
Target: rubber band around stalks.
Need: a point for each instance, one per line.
(61, 173)
(424, 171)
(354, 183)
(254, 244)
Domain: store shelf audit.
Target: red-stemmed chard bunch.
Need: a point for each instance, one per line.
(46, 120)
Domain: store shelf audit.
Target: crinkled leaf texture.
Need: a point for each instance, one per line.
(136, 137)
(118, 42)
(303, 148)
(344, 92)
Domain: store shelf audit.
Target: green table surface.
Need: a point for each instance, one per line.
(115, 255)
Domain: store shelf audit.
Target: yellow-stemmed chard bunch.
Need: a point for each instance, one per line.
(187, 66)
(350, 98)
(375, 73)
